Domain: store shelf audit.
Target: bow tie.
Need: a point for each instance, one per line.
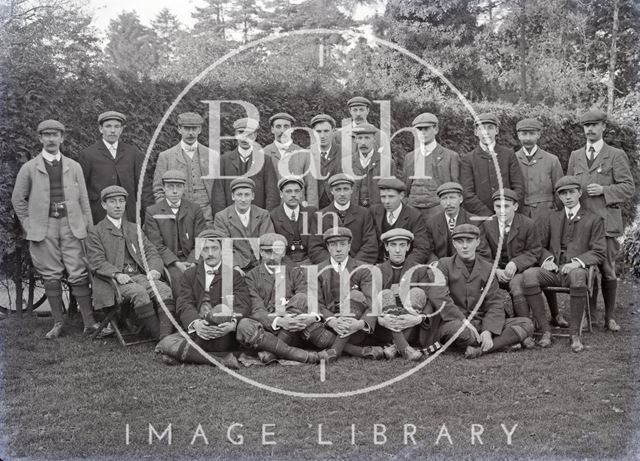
(212, 272)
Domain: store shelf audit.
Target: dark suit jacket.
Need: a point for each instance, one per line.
(266, 191)
(364, 246)
(191, 293)
(160, 227)
(479, 178)
(439, 236)
(586, 238)
(105, 248)
(101, 170)
(522, 243)
(465, 289)
(411, 220)
(283, 225)
(368, 173)
(331, 166)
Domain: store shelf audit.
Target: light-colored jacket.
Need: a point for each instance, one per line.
(31, 198)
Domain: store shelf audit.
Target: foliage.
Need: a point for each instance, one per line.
(132, 47)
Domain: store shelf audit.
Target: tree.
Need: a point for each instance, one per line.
(132, 47)
(167, 28)
(244, 16)
(211, 20)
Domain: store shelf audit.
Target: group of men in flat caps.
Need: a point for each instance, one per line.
(290, 254)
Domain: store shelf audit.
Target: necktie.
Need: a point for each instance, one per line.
(212, 272)
(592, 153)
(325, 155)
(113, 150)
(293, 215)
(570, 216)
(53, 163)
(339, 267)
(390, 218)
(452, 224)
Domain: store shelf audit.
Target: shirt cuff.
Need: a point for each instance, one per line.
(273, 324)
(549, 258)
(191, 328)
(581, 263)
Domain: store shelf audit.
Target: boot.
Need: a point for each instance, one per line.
(576, 344)
(577, 304)
(409, 353)
(536, 302)
(53, 291)
(552, 301)
(520, 306)
(609, 291)
(150, 324)
(271, 343)
(82, 293)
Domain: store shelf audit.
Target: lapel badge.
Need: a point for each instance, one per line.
(599, 170)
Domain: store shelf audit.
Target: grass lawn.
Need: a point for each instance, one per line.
(71, 399)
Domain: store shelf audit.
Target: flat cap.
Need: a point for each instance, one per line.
(529, 124)
(358, 101)
(174, 176)
(322, 118)
(50, 125)
(425, 119)
(113, 191)
(392, 183)
(283, 116)
(364, 128)
(340, 178)
(567, 182)
(190, 119)
(273, 241)
(209, 234)
(246, 124)
(111, 115)
(507, 193)
(465, 230)
(242, 182)
(397, 234)
(487, 118)
(593, 116)
(287, 179)
(335, 233)
(449, 187)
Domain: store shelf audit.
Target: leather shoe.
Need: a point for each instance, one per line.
(170, 361)
(529, 343)
(373, 352)
(390, 351)
(472, 352)
(545, 341)
(230, 361)
(328, 355)
(411, 354)
(106, 331)
(576, 344)
(56, 331)
(559, 321)
(267, 357)
(313, 357)
(612, 325)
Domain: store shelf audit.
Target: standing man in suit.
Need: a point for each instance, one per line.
(363, 245)
(110, 162)
(359, 108)
(392, 213)
(440, 226)
(607, 183)
(467, 277)
(249, 160)
(50, 199)
(572, 239)
(328, 151)
(290, 159)
(294, 222)
(478, 174)
(193, 159)
(243, 220)
(172, 225)
(428, 167)
(520, 249)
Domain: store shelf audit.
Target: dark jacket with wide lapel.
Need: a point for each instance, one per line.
(439, 236)
(266, 190)
(106, 246)
(411, 220)
(466, 288)
(283, 225)
(364, 246)
(479, 178)
(522, 242)
(191, 293)
(333, 165)
(101, 170)
(586, 238)
(611, 170)
(160, 227)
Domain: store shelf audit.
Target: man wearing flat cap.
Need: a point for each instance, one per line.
(172, 225)
(50, 199)
(359, 108)
(110, 161)
(289, 158)
(392, 213)
(324, 148)
(440, 226)
(467, 276)
(249, 160)
(478, 173)
(193, 159)
(278, 306)
(411, 294)
(344, 213)
(572, 239)
(295, 222)
(519, 251)
(540, 170)
(115, 256)
(429, 166)
(607, 183)
(243, 221)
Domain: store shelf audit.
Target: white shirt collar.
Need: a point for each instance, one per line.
(184, 146)
(530, 153)
(341, 207)
(396, 212)
(244, 153)
(427, 149)
(597, 146)
(327, 150)
(490, 148)
(208, 278)
(171, 205)
(116, 222)
(455, 218)
(276, 271)
(343, 264)
(110, 146)
(573, 211)
(366, 159)
(214, 268)
(288, 210)
(51, 157)
(282, 147)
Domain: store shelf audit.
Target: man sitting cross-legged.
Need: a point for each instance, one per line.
(278, 306)
(467, 276)
(572, 239)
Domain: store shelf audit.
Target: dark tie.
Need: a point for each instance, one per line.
(293, 215)
(53, 163)
(570, 216)
(592, 153)
(452, 224)
(325, 155)
(212, 272)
